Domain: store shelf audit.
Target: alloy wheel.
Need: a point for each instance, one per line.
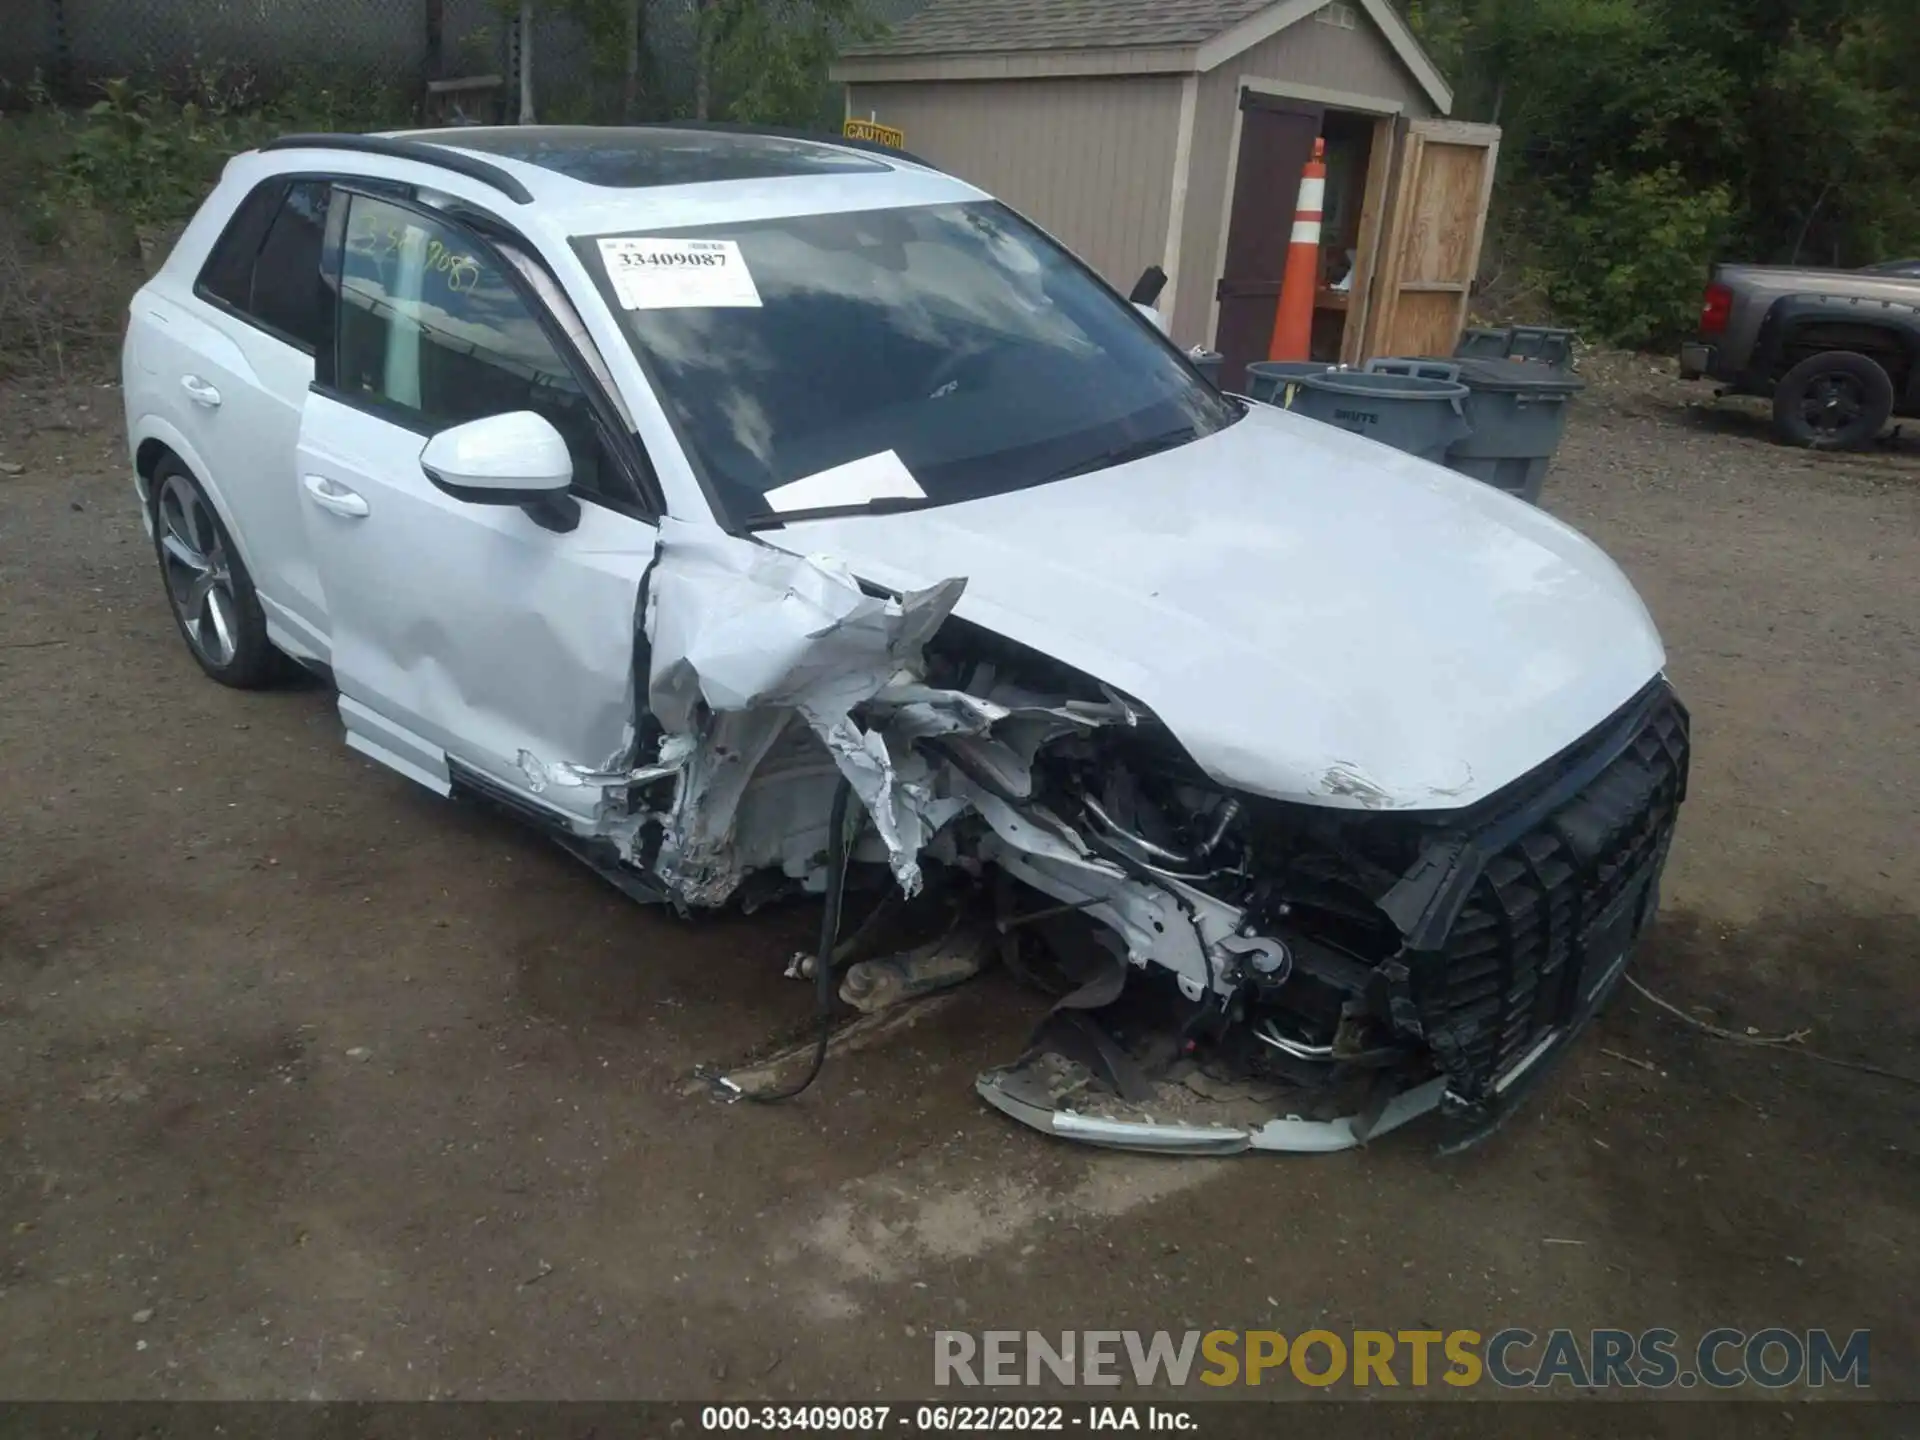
(1832, 402)
(199, 577)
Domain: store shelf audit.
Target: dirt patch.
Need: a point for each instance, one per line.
(361, 1094)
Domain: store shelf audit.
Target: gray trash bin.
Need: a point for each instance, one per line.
(1409, 412)
(1485, 342)
(1277, 382)
(1546, 344)
(1207, 362)
(1415, 365)
(1518, 410)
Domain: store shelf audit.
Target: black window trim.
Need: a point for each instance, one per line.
(204, 293)
(644, 500)
(584, 248)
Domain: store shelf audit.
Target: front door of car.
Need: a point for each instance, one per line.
(477, 633)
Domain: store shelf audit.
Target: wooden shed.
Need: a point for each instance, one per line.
(1173, 134)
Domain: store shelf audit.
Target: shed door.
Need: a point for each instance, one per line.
(1276, 140)
(1433, 244)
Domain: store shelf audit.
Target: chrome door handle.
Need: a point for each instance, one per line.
(200, 392)
(332, 495)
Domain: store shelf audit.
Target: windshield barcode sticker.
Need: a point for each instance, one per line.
(679, 274)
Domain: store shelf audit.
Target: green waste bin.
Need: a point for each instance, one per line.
(1414, 413)
(1207, 362)
(1277, 382)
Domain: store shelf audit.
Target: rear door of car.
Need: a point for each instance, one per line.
(235, 365)
(468, 634)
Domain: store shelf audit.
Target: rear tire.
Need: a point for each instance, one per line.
(1839, 400)
(208, 588)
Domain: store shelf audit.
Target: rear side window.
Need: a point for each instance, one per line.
(265, 267)
(287, 294)
(228, 273)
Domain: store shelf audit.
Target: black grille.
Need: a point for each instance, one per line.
(1561, 892)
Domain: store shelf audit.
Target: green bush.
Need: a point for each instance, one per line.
(96, 195)
(1626, 263)
(149, 158)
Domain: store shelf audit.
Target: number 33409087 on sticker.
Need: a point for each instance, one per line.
(658, 274)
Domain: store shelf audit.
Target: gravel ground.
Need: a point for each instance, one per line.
(313, 1085)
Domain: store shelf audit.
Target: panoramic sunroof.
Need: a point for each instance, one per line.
(623, 159)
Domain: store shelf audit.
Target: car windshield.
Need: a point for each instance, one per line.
(922, 355)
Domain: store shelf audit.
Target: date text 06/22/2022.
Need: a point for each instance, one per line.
(947, 1419)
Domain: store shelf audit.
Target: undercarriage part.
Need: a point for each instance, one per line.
(837, 847)
(1265, 1032)
(952, 959)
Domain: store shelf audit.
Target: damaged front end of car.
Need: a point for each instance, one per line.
(1231, 972)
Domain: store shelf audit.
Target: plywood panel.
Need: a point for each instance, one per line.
(1432, 252)
(1443, 239)
(1381, 156)
(1426, 324)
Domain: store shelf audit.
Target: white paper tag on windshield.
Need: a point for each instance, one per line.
(872, 477)
(679, 274)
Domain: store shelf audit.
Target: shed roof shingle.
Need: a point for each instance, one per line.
(972, 26)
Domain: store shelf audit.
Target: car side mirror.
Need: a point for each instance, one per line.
(512, 459)
(1146, 290)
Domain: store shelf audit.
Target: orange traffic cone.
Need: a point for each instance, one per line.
(1293, 316)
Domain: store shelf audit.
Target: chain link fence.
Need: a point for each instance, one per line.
(373, 57)
(254, 51)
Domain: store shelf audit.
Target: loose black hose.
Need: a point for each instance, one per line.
(829, 938)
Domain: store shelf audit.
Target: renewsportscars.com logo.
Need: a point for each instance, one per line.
(1512, 1358)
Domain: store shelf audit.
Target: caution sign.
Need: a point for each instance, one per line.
(875, 131)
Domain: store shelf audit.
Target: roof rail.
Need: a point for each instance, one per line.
(425, 152)
(782, 132)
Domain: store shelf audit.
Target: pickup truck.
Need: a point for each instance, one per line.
(1837, 351)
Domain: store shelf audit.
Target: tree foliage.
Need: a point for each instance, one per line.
(1644, 138)
(757, 61)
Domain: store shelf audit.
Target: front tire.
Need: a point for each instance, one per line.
(211, 594)
(1838, 400)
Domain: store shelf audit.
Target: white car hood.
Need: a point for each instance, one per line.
(1316, 617)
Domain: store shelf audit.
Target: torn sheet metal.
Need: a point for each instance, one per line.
(543, 775)
(749, 644)
(773, 676)
(744, 637)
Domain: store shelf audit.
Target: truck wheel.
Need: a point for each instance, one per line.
(1834, 401)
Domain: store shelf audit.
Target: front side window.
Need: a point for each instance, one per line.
(431, 330)
(957, 337)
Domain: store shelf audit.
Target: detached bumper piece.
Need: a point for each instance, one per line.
(1024, 1093)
